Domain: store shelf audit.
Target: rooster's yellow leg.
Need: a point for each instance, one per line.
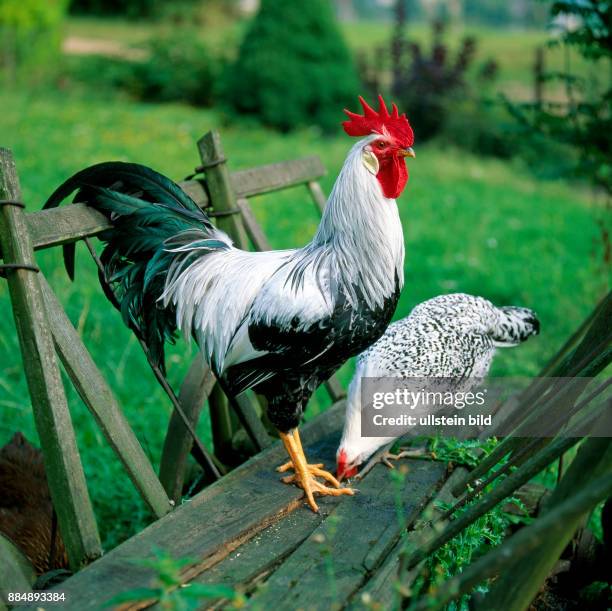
(305, 474)
(316, 469)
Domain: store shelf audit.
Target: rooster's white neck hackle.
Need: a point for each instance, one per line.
(361, 229)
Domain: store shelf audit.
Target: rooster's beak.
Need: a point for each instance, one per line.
(407, 152)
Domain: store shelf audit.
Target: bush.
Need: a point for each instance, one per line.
(178, 68)
(293, 67)
(430, 86)
(30, 35)
(174, 69)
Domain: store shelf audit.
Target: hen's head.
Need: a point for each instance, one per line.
(384, 156)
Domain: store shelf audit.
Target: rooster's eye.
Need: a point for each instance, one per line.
(381, 144)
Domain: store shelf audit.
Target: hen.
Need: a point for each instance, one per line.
(451, 336)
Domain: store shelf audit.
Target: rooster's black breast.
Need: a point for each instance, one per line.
(301, 357)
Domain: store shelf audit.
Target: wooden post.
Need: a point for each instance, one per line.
(223, 199)
(220, 188)
(229, 219)
(61, 455)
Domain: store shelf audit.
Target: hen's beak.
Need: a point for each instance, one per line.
(407, 152)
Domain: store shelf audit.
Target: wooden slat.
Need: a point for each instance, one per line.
(318, 197)
(223, 199)
(208, 528)
(335, 389)
(196, 387)
(99, 399)
(54, 425)
(371, 519)
(253, 229)
(74, 222)
(65, 224)
(250, 420)
(277, 176)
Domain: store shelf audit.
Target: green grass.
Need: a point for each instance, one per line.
(474, 225)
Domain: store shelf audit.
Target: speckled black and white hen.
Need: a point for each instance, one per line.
(451, 336)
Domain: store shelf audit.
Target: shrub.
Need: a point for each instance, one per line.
(30, 34)
(179, 67)
(430, 85)
(174, 68)
(293, 67)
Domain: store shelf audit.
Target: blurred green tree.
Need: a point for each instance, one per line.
(30, 36)
(293, 67)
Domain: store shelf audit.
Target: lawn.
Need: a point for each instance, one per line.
(471, 224)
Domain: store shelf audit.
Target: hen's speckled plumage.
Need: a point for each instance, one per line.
(451, 336)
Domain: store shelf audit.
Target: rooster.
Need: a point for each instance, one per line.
(279, 322)
(452, 336)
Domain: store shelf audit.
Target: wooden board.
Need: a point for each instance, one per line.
(73, 222)
(342, 552)
(208, 527)
(17, 574)
(250, 528)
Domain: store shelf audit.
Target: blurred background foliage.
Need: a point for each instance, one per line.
(293, 67)
(508, 197)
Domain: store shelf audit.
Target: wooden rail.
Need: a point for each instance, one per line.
(72, 223)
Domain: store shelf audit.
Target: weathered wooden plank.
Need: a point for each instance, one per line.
(209, 527)
(277, 176)
(197, 191)
(67, 224)
(99, 399)
(253, 229)
(335, 389)
(53, 423)
(196, 387)
(344, 550)
(381, 587)
(316, 192)
(17, 574)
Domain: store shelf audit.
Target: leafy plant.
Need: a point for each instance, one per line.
(293, 68)
(431, 85)
(168, 587)
(179, 67)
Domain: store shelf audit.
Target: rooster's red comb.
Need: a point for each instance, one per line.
(370, 122)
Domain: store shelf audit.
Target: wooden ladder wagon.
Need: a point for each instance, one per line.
(248, 503)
